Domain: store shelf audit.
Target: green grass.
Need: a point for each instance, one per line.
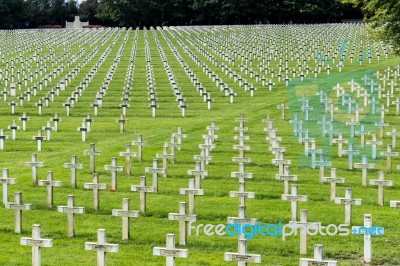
(150, 229)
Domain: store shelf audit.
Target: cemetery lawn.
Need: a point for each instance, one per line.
(150, 229)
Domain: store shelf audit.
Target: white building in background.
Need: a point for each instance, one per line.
(77, 24)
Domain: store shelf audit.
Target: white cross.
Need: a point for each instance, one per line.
(126, 214)
(36, 242)
(286, 177)
(128, 154)
(318, 258)
(5, 181)
(183, 218)
(170, 252)
(139, 143)
(348, 201)
(71, 210)
(192, 192)
(381, 183)
(18, 207)
(242, 257)
(114, 169)
(333, 179)
(101, 247)
(73, 166)
(155, 171)
(50, 184)
(293, 197)
(368, 230)
(96, 186)
(142, 189)
(92, 154)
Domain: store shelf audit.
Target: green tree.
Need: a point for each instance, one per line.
(88, 11)
(57, 12)
(38, 11)
(71, 10)
(384, 16)
(13, 14)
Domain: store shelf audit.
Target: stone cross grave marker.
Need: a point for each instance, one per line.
(241, 175)
(374, 142)
(293, 197)
(14, 129)
(389, 154)
(71, 210)
(170, 252)
(88, 121)
(198, 173)
(211, 130)
(241, 120)
(179, 136)
(2, 139)
(5, 181)
(92, 154)
(242, 194)
(348, 201)
(183, 218)
(48, 128)
(126, 214)
(304, 226)
(56, 120)
(286, 177)
(142, 189)
(362, 132)
(34, 164)
(192, 192)
(242, 219)
(96, 186)
(351, 153)
(121, 120)
(39, 138)
(13, 90)
(283, 107)
(165, 156)
(333, 179)
(50, 184)
(101, 247)
(114, 169)
(155, 170)
(281, 162)
(139, 143)
(368, 231)
(394, 134)
(204, 156)
(128, 154)
(340, 141)
(318, 258)
(36, 242)
(18, 206)
(381, 183)
(242, 256)
(172, 145)
(24, 120)
(322, 163)
(13, 104)
(74, 166)
(364, 166)
(83, 129)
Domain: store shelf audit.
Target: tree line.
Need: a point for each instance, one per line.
(15, 14)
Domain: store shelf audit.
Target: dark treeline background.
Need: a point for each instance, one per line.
(16, 14)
